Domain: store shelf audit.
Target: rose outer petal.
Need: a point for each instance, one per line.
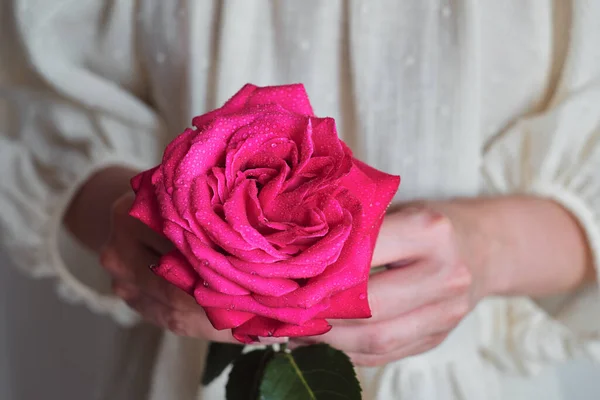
(145, 207)
(351, 303)
(226, 319)
(291, 97)
(209, 298)
(174, 268)
(374, 190)
(266, 327)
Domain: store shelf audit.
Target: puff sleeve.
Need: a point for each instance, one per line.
(71, 103)
(554, 154)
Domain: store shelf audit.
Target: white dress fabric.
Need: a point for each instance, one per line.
(460, 98)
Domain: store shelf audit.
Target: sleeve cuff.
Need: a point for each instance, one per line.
(70, 287)
(588, 219)
(520, 336)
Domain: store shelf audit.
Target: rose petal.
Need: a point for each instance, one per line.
(180, 238)
(207, 148)
(174, 153)
(209, 298)
(216, 281)
(266, 327)
(222, 266)
(145, 207)
(291, 97)
(226, 319)
(349, 304)
(308, 263)
(234, 104)
(218, 230)
(374, 190)
(236, 215)
(174, 268)
(350, 269)
(264, 141)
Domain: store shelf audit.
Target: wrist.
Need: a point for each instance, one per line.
(520, 245)
(88, 214)
(477, 242)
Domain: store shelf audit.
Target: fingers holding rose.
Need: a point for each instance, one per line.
(272, 219)
(128, 257)
(418, 300)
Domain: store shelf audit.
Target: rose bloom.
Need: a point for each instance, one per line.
(273, 221)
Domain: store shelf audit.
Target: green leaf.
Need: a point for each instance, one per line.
(315, 372)
(220, 355)
(245, 376)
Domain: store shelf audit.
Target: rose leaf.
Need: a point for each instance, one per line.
(220, 355)
(313, 372)
(245, 376)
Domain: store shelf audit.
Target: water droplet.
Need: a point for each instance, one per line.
(232, 307)
(269, 333)
(362, 296)
(170, 190)
(253, 273)
(377, 203)
(205, 284)
(273, 145)
(152, 266)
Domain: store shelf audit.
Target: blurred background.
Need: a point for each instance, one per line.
(46, 345)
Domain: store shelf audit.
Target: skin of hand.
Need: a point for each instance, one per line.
(441, 258)
(99, 217)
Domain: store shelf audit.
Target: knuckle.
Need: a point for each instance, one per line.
(369, 361)
(380, 343)
(127, 293)
(460, 280)
(457, 313)
(176, 324)
(440, 224)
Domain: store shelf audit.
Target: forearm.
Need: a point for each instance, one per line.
(521, 245)
(88, 215)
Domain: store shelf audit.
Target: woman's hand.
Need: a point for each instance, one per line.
(442, 258)
(99, 217)
(423, 294)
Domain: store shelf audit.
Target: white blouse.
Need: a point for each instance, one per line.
(459, 97)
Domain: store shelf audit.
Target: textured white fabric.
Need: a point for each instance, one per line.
(460, 98)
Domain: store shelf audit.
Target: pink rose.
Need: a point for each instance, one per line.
(273, 220)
